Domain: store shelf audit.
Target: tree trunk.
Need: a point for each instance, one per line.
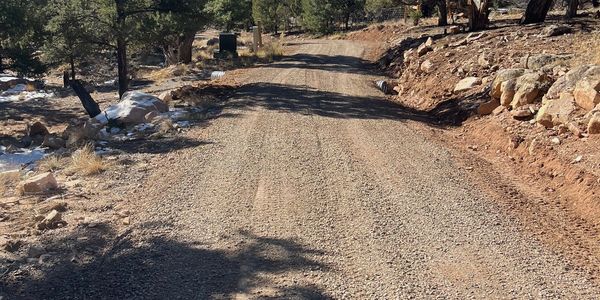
(72, 62)
(478, 15)
(536, 11)
(572, 9)
(442, 13)
(595, 3)
(121, 48)
(185, 47)
(91, 107)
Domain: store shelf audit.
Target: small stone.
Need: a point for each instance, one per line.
(522, 114)
(126, 221)
(426, 66)
(555, 141)
(423, 49)
(577, 159)
(39, 184)
(594, 124)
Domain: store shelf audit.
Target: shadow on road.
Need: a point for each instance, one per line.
(302, 100)
(330, 63)
(106, 266)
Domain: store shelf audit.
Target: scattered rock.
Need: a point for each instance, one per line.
(530, 88)
(488, 107)
(555, 141)
(10, 245)
(37, 129)
(587, 92)
(53, 142)
(522, 113)
(52, 220)
(150, 116)
(429, 42)
(539, 61)
(577, 159)
(467, 84)
(574, 128)
(594, 124)
(514, 141)
(483, 61)
(498, 110)
(504, 76)
(166, 97)
(568, 82)
(423, 49)
(426, 66)
(556, 30)
(508, 90)
(39, 184)
(555, 112)
(454, 30)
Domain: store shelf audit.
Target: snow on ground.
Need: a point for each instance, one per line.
(14, 161)
(19, 93)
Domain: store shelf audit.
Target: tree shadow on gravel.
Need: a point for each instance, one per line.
(301, 100)
(104, 265)
(330, 63)
(42, 109)
(158, 146)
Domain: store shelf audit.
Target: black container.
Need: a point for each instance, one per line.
(228, 43)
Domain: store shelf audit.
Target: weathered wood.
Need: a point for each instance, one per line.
(91, 107)
(478, 15)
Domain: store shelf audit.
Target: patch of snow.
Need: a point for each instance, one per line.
(14, 161)
(182, 124)
(19, 93)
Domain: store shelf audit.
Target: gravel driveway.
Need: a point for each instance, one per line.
(310, 185)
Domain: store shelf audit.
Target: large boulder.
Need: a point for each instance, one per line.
(556, 112)
(503, 76)
(587, 92)
(539, 61)
(568, 82)
(507, 90)
(133, 109)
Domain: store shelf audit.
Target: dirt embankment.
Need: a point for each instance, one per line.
(555, 168)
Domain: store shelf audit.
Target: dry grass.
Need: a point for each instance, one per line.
(271, 50)
(85, 162)
(170, 72)
(7, 181)
(51, 163)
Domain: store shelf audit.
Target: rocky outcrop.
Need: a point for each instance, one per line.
(541, 61)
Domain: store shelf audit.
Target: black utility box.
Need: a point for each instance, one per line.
(228, 44)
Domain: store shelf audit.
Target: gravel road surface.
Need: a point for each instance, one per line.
(310, 185)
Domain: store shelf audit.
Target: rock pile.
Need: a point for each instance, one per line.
(572, 100)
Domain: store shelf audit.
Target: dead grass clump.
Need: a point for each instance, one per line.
(51, 163)
(8, 180)
(85, 162)
(271, 51)
(170, 72)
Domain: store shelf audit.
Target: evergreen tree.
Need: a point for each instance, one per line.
(230, 14)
